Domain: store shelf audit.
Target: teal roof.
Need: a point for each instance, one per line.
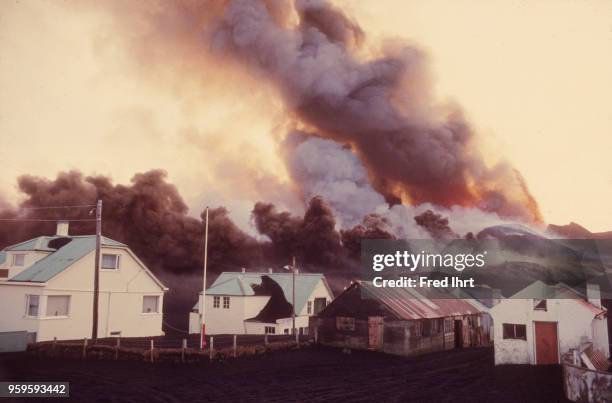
(59, 260)
(239, 284)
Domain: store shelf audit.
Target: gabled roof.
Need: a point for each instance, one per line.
(408, 304)
(60, 259)
(539, 289)
(41, 243)
(239, 284)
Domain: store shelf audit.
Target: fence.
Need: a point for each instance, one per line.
(165, 348)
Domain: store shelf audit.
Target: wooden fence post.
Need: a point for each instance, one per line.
(235, 346)
(316, 335)
(266, 339)
(183, 350)
(117, 345)
(152, 347)
(211, 349)
(85, 347)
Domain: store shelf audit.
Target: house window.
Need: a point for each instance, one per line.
(539, 305)
(319, 305)
(286, 331)
(309, 308)
(32, 304)
(110, 262)
(19, 259)
(226, 302)
(448, 325)
(515, 331)
(345, 323)
(270, 330)
(417, 328)
(216, 302)
(58, 305)
(150, 304)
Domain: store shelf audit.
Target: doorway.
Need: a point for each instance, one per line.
(546, 343)
(458, 333)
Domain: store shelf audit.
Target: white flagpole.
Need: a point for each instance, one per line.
(203, 303)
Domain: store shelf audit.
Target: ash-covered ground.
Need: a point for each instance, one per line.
(313, 374)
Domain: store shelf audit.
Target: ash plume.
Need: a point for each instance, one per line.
(436, 225)
(414, 150)
(313, 238)
(149, 215)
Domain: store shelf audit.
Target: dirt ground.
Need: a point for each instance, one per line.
(314, 374)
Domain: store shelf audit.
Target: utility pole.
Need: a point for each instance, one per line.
(203, 303)
(293, 268)
(94, 327)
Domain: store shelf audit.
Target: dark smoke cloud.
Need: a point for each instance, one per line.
(374, 226)
(149, 215)
(382, 107)
(436, 225)
(312, 239)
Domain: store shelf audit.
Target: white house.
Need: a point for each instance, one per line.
(540, 331)
(46, 289)
(260, 303)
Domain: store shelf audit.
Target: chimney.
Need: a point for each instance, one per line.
(243, 270)
(62, 228)
(593, 294)
(270, 270)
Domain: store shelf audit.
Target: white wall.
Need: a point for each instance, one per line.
(320, 291)
(228, 321)
(30, 258)
(574, 325)
(120, 302)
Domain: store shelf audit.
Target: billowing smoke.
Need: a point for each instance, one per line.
(414, 151)
(435, 224)
(312, 239)
(149, 215)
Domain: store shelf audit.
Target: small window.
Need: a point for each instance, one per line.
(344, 323)
(150, 304)
(216, 302)
(110, 262)
(270, 330)
(58, 305)
(286, 331)
(32, 305)
(515, 331)
(448, 325)
(226, 302)
(539, 305)
(19, 259)
(309, 308)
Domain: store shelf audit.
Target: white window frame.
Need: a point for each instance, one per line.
(157, 305)
(15, 256)
(226, 302)
(216, 301)
(59, 316)
(309, 308)
(27, 307)
(269, 330)
(117, 262)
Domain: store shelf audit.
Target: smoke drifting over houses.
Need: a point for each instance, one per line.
(369, 154)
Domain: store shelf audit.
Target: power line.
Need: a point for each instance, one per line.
(56, 207)
(46, 219)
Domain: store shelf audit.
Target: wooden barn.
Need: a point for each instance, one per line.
(400, 321)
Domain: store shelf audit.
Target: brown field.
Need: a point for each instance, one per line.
(310, 374)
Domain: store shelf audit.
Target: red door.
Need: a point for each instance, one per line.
(546, 343)
(375, 332)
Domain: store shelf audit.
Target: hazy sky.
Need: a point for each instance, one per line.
(533, 76)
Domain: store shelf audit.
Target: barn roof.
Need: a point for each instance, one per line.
(60, 259)
(239, 284)
(407, 303)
